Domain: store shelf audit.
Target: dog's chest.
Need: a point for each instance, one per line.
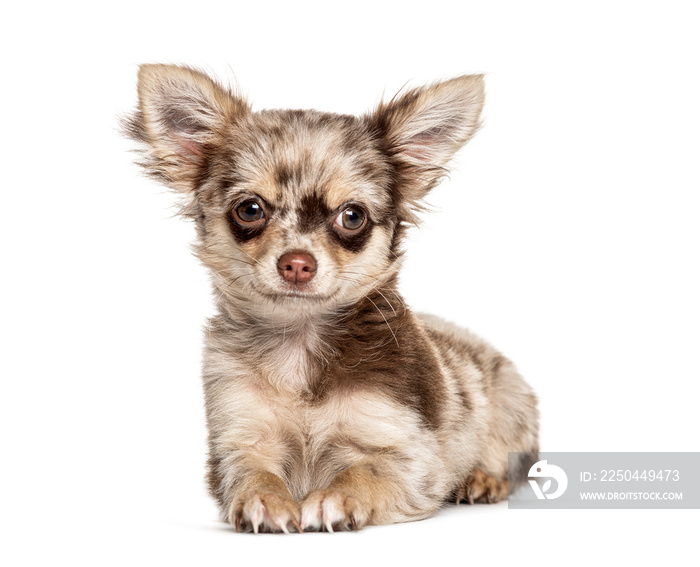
(288, 362)
(261, 404)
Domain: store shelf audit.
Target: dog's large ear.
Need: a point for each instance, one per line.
(182, 116)
(424, 127)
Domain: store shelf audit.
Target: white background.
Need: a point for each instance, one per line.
(567, 235)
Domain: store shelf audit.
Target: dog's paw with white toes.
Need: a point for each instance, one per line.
(332, 510)
(264, 512)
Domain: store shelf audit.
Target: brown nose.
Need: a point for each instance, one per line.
(297, 267)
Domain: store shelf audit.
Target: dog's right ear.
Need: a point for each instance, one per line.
(181, 117)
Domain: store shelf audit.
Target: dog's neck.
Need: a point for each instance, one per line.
(293, 351)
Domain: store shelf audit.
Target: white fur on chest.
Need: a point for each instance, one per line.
(288, 366)
(281, 355)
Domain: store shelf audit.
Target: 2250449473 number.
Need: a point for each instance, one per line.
(619, 475)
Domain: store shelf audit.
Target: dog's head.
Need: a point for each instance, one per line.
(298, 208)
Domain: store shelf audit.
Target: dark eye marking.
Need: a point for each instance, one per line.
(351, 227)
(248, 218)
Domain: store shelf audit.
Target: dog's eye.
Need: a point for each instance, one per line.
(351, 218)
(250, 211)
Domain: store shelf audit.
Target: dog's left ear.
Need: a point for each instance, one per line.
(424, 127)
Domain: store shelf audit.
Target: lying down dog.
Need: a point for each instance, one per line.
(330, 404)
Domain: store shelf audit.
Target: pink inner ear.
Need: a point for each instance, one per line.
(419, 153)
(189, 146)
(425, 146)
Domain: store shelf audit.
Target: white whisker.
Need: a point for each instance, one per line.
(387, 322)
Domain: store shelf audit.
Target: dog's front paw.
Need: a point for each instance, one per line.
(264, 511)
(332, 510)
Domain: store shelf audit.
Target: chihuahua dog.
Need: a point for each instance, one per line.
(330, 404)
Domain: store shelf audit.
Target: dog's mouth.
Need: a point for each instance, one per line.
(295, 292)
(297, 289)
(282, 290)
